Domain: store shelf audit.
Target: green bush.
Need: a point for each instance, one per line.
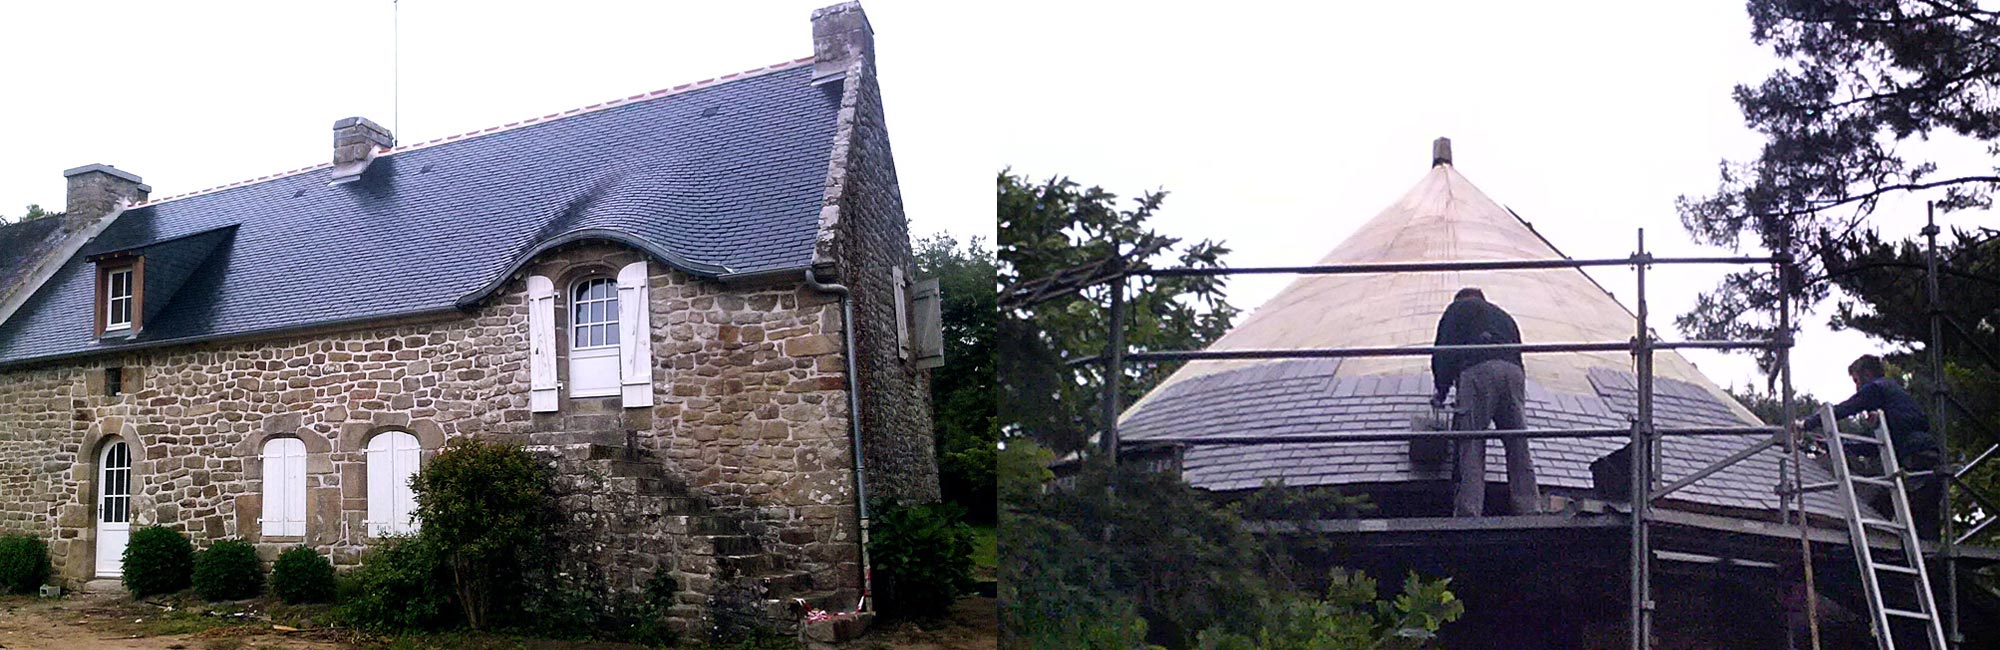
(399, 586)
(302, 575)
(487, 509)
(158, 560)
(24, 564)
(228, 570)
(922, 557)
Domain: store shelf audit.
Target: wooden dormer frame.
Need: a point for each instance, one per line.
(107, 266)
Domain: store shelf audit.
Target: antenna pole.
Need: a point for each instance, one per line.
(395, 70)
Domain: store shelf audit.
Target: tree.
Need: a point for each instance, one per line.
(34, 212)
(1861, 82)
(1859, 79)
(964, 409)
(1059, 225)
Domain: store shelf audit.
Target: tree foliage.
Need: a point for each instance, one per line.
(486, 510)
(1058, 225)
(32, 213)
(1859, 81)
(964, 411)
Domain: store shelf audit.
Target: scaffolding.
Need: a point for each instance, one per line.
(1643, 434)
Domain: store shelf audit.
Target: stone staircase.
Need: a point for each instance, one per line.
(637, 501)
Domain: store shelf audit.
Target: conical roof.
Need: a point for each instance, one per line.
(1443, 218)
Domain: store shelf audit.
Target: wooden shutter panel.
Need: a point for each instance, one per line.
(292, 451)
(381, 501)
(406, 467)
(635, 336)
(274, 488)
(926, 305)
(902, 311)
(541, 344)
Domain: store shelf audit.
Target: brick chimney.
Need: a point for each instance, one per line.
(841, 35)
(355, 141)
(1441, 152)
(98, 190)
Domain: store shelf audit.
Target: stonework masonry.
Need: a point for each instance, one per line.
(737, 480)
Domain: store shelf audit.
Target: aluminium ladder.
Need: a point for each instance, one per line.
(1893, 480)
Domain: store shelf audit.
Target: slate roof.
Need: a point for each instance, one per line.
(20, 241)
(1309, 396)
(719, 179)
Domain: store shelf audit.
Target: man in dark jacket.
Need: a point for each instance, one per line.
(1491, 390)
(1909, 432)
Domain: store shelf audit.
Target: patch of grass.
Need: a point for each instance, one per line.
(985, 549)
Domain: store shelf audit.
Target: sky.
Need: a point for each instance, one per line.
(191, 95)
(1278, 127)
(1281, 127)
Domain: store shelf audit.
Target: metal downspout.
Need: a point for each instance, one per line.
(853, 427)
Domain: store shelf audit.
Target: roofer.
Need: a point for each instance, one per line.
(1491, 390)
(1909, 432)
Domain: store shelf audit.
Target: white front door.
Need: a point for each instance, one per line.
(114, 507)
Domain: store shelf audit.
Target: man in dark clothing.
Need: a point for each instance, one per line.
(1491, 387)
(1909, 431)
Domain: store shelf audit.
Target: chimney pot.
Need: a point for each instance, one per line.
(355, 141)
(1441, 152)
(841, 34)
(98, 190)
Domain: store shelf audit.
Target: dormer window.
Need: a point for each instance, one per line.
(120, 296)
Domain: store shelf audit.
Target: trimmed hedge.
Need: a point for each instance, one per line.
(229, 570)
(158, 560)
(402, 584)
(923, 558)
(24, 564)
(302, 575)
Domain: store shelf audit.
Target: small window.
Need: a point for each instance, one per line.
(593, 342)
(118, 300)
(284, 487)
(114, 381)
(392, 460)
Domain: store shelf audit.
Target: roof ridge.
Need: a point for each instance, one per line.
(599, 106)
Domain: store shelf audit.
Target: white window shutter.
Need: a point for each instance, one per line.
(541, 344)
(902, 311)
(406, 498)
(381, 501)
(274, 488)
(635, 340)
(926, 305)
(284, 487)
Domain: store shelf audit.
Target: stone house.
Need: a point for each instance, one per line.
(699, 303)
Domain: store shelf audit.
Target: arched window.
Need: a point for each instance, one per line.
(593, 342)
(392, 460)
(114, 506)
(284, 487)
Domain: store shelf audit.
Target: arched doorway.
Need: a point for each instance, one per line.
(114, 506)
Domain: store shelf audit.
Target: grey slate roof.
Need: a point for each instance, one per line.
(717, 180)
(1309, 396)
(19, 243)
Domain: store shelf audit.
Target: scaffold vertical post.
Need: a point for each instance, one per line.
(1642, 466)
(1114, 369)
(1788, 283)
(1939, 393)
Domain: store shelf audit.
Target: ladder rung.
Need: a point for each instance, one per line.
(1875, 481)
(1861, 439)
(1867, 521)
(1810, 488)
(1906, 614)
(1896, 568)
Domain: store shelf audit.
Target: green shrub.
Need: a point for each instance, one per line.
(228, 570)
(487, 509)
(158, 560)
(24, 564)
(302, 575)
(922, 557)
(399, 586)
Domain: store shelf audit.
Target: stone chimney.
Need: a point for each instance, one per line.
(96, 191)
(840, 36)
(1441, 152)
(355, 141)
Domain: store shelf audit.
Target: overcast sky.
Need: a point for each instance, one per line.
(1278, 127)
(1281, 127)
(190, 95)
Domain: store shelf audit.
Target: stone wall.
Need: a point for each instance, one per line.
(865, 235)
(739, 476)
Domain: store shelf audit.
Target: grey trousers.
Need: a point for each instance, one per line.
(1492, 393)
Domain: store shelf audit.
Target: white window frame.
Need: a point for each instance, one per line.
(594, 344)
(393, 457)
(284, 488)
(113, 299)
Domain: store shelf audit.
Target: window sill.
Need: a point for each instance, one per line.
(283, 538)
